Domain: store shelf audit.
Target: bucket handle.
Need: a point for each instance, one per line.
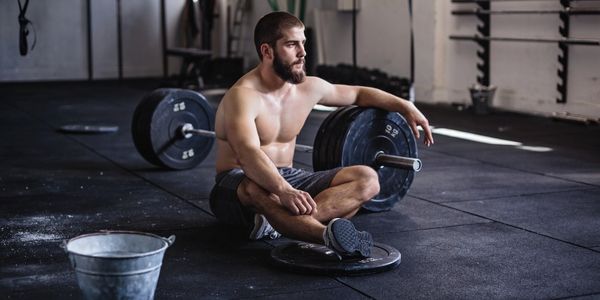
(63, 245)
(170, 240)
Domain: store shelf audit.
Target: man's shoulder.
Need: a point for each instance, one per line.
(312, 82)
(242, 95)
(314, 85)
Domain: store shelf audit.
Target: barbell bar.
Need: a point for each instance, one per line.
(381, 159)
(174, 129)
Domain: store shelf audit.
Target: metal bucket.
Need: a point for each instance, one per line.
(482, 97)
(117, 264)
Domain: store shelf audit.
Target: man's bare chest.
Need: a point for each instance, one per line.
(281, 123)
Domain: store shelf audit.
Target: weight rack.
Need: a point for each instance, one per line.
(483, 38)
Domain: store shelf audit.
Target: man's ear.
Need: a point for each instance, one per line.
(266, 51)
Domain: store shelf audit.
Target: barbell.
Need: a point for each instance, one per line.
(174, 128)
(380, 158)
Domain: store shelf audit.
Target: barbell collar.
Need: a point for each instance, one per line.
(399, 162)
(188, 130)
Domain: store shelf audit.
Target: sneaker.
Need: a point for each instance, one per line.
(262, 229)
(342, 237)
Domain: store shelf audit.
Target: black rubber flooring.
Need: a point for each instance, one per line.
(480, 221)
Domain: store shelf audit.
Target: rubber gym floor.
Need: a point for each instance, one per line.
(480, 220)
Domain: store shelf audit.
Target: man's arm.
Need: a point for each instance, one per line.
(342, 95)
(243, 138)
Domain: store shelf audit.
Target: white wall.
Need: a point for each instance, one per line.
(525, 73)
(61, 52)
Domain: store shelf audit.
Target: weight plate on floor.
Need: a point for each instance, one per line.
(88, 128)
(319, 260)
(156, 128)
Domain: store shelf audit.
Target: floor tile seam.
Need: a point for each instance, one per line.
(118, 165)
(19, 278)
(576, 296)
(529, 171)
(514, 226)
(435, 228)
(356, 289)
(579, 189)
(158, 186)
(261, 296)
(199, 207)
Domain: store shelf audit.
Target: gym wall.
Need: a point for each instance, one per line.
(525, 73)
(61, 50)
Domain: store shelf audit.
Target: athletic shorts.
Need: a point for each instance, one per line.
(226, 206)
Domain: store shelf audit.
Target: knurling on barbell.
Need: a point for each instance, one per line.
(174, 128)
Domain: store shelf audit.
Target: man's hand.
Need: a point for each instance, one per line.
(414, 117)
(298, 202)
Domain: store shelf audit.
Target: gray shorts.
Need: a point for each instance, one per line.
(226, 206)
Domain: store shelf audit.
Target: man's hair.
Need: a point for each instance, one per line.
(269, 27)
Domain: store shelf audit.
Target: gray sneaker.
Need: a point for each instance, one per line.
(262, 229)
(342, 237)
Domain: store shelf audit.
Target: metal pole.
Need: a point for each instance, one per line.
(119, 41)
(163, 37)
(540, 40)
(478, 11)
(399, 162)
(476, 1)
(90, 56)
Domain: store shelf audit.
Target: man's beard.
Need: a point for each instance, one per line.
(286, 73)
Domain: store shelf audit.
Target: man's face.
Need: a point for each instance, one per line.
(288, 56)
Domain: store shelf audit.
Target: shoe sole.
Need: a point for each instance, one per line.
(258, 227)
(349, 239)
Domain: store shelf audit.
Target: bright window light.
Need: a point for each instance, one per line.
(486, 139)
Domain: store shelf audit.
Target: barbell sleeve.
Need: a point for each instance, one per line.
(304, 148)
(188, 131)
(400, 162)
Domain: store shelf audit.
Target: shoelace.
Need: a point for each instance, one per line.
(274, 234)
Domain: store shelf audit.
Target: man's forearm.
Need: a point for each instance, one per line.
(261, 170)
(371, 97)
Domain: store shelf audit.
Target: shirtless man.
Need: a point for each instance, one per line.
(256, 127)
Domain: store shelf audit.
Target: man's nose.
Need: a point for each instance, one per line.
(302, 52)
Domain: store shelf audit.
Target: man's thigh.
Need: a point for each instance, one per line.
(224, 200)
(310, 182)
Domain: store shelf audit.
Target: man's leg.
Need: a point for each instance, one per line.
(300, 227)
(349, 189)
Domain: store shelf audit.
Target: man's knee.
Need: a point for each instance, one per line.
(366, 179)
